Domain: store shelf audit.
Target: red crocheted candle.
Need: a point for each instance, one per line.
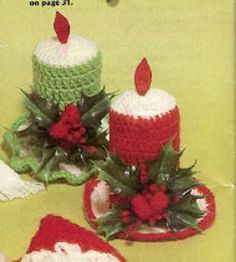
(135, 140)
(143, 121)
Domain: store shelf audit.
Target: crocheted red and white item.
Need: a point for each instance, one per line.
(60, 240)
(96, 198)
(142, 121)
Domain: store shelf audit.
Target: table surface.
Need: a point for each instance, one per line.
(189, 45)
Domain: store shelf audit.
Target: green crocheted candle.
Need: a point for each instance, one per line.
(63, 85)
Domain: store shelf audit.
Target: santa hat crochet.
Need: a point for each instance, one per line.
(61, 240)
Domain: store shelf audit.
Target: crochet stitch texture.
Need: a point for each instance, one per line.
(63, 85)
(137, 140)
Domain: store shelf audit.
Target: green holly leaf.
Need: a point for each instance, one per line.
(94, 108)
(109, 217)
(180, 172)
(164, 171)
(110, 229)
(110, 224)
(169, 159)
(93, 117)
(154, 169)
(45, 165)
(127, 175)
(182, 184)
(87, 102)
(188, 204)
(101, 139)
(161, 170)
(116, 185)
(43, 112)
(178, 220)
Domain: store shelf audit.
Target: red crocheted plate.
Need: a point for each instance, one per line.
(96, 199)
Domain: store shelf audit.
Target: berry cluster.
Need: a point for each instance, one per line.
(151, 205)
(69, 130)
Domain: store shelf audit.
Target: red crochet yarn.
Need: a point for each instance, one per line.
(141, 207)
(69, 130)
(151, 205)
(169, 235)
(136, 140)
(55, 229)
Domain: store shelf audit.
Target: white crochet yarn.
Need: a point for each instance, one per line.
(76, 51)
(100, 199)
(155, 103)
(12, 186)
(65, 252)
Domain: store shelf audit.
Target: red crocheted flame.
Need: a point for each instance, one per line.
(55, 229)
(143, 77)
(62, 28)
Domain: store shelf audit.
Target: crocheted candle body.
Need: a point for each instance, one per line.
(141, 125)
(63, 71)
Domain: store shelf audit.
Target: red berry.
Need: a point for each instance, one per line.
(162, 188)
(58, 131)
(69, 137)
(153, 188)
(159, 201)
(82, 130)
(76, 125)
(174, 199)
(125, 220)
(143, 179)
(76, 135)
(125, 213)
(70, 115)
(141, 207)
(81, 140)
(91, 149)
(148, 196)
(165, 215)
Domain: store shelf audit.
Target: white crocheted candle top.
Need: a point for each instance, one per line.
(156, 102)
(76, 51)
(65, 252)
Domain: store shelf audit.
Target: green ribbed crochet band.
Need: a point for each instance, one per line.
(63, 85)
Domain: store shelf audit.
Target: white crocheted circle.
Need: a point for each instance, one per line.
(76, 51)
(155, 103)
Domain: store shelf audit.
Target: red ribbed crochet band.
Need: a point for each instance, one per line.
(55, 229)
(135, 140)
(163, 236)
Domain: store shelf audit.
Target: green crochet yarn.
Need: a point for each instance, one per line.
(23, 162)
(63, 85)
